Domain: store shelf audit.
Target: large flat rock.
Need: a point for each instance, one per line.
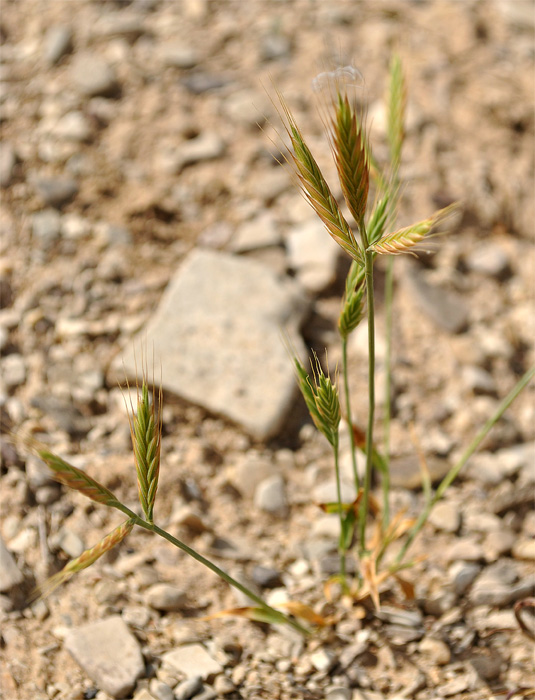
(108, 653)
(217, 334)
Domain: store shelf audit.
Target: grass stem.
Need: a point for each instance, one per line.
(275, 616)
(345, 372)
(368, 259)
(385, 479)
(342, 542)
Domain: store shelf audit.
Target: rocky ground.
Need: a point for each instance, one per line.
(139, 196)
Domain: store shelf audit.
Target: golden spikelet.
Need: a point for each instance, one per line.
(316, 190)
(402, 240)
(351, 156)
(70, 476)
(85, 559)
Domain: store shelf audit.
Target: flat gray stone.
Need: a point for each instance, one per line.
(445, 308)
(217, 334)
(167, 598)
(489, 259)
(314, 255)
(193, 660)
(8, 160)
(56, 191)
(270, 496)
(108, 653)
(10, 576)
(58, 42)
(92, 76)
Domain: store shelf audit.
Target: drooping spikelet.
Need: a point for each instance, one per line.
(146, 432)
(404, 239)
(71, 476)
(316, 190)
(321, 398)
(85, 559)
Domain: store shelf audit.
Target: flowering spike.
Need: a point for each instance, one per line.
(88, 557)
(317, 191)
(351, 156)
(146, 432)
(404, 239)
(71, 476)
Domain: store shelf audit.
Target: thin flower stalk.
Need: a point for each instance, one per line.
(350, 317)
(397, 105)
(62, 471)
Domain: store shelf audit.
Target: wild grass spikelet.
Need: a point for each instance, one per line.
(402, 240)
(146, 431)
(351, 156)
(74, 478)
(353, 302)
(85, 559)
(321, 398)
(316, 190)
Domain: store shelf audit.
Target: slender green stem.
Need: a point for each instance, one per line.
(341, 543)
(363, 513)
(385, 478)
(274, 615)
(454, 471)
(345, 373)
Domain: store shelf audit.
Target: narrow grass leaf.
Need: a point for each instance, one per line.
(87, 558)
(397, 104)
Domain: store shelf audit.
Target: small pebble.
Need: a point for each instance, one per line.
(58, 42)
(166, 598)
(436, 650)
(270, 496)
(93, 76)
(188, 688)
(8, 160)
(56, 191)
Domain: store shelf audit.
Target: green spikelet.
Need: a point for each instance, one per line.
(321, 398)
(73, 477)
(397, 103)
(316, 190)
(146, 429)
(353, 302)
(351, 156)
(402, 240)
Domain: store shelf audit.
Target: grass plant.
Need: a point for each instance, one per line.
(373, 234)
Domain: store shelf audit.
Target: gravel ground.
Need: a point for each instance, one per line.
(130, 139)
